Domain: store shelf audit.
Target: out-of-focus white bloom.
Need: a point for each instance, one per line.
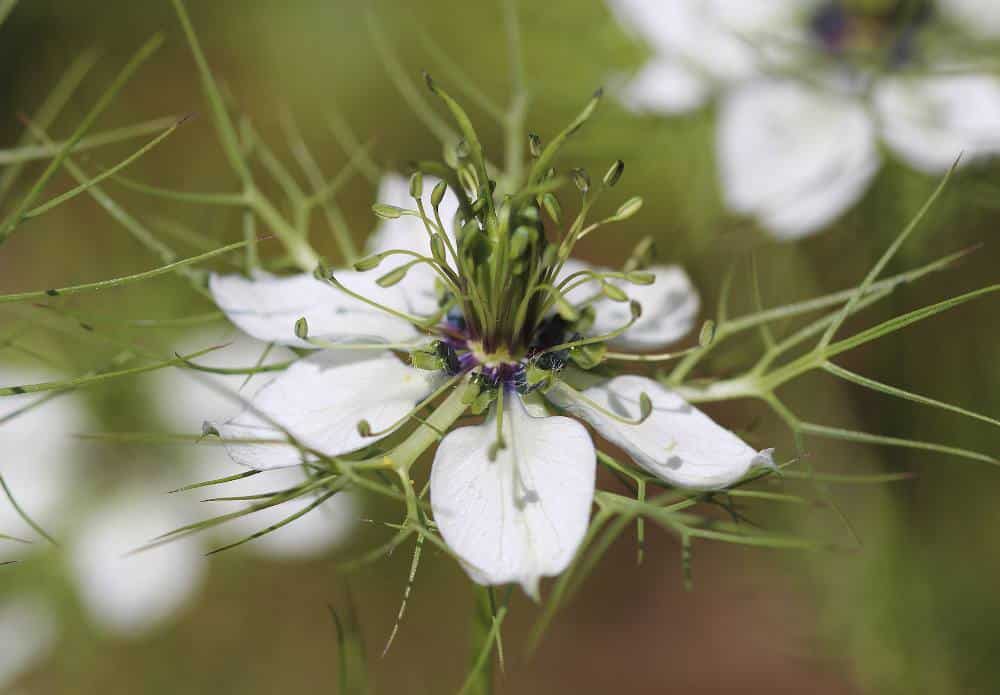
(794, 156)
(40, 459)
(698, 46)
(980, 18)
(131, 594)
(27, 635)
(799, 132)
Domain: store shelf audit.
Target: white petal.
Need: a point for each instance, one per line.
(268, 306)
(132, 594)
(521, 516)
(669, 306)
(186, 399)
(793, 156)
(724, 39)
(677, 442)
(669, 309)
(930, 121)
(27, 633)
(409, 233)
(316, 532)
(320, 399)
(664, 86)
(978, 17)
(39, 458)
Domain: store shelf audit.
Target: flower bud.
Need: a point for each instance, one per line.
(581, 178)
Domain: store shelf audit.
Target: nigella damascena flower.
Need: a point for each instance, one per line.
(820, 84)
(502, 324)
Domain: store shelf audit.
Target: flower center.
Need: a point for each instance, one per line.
(883, 31)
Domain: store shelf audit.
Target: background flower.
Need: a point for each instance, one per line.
(799, 131)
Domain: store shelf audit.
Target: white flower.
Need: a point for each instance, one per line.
(40, 463)
(28, 632)
(186, 401)
(44, 468)
(698, 46)
(132, 594)
(513, 512)
(796, 153)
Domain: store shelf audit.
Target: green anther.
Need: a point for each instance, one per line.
(438, 249)
(564, 308)
(707, 333)
(437, 195)
(535, 145)
(614, 173)
(588, 356)
(417, 184)
(521, 239)
(613, 292)
(387, 212)
(395, 276)
(628, 209)
(639, 277)
(426, 358)
(552, 207)
(369, 262)
(483, 401)
(302, 328)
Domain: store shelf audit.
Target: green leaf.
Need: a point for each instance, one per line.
(73, 192)
(220, 116)
(544, 161)
(867, 438)
(119, 282)
(12, 220)
(91, 379)
(863, 288)
(905, 395)
(24, 515)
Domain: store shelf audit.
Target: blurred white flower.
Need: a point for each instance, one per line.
(40, 459)
(132, 594)
(698, 46)
(799, 133)
(28, 631)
